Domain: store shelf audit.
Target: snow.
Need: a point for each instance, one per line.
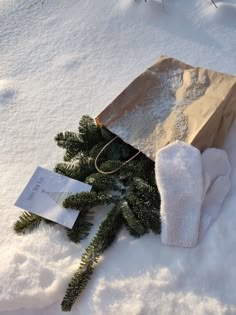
(63, 59)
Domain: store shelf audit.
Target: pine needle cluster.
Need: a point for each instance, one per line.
(131, 190)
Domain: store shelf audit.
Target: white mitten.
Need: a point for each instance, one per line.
(179, 180)
(216, 182)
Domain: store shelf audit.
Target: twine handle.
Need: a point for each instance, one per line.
(117, 169)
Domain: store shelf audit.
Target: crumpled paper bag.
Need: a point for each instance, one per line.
(172, 101)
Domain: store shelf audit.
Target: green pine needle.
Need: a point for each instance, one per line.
(155, 221)
(104, 237)
(68, 140)
(82, 227)
(86, 200)
(145, 212)
(133, 224)
(96, 150)
(79, 168)
(147, 192)
(104, 182)
(110, 165)
(107, 134)
(89, 132)
(27, 221)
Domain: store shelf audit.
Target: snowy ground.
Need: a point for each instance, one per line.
(61, 59)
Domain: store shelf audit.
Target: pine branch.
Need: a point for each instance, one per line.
(125, 150)
(117, 150)
(106, 134)
(145, 213)
(96, 150)
(154, 219)
(86, 200)
(79, 168)
(148, 200)
(132, 190)
(133, 168)
(69, 155)
(89, 132)
(27, 221)
(81, 227)
(67, 139)
(133, 224)
(147, 192)
(104, 182)
(71, 142)
(104, 237)
(148, 169)
(110, 165)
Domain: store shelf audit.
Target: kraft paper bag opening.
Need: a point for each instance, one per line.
(172, 101)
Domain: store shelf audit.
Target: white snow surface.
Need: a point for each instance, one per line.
(59, 60)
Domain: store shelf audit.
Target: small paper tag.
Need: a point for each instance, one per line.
(45, 192)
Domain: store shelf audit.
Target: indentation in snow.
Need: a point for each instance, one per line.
(68, 62)
(7, 91)
(225, 14)
(30, 277)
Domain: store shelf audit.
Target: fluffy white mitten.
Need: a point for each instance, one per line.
(179, 179)
(216, 182)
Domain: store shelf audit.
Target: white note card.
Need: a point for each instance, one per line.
(45, 192)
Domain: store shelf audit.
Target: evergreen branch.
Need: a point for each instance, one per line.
(117, 151)
(147, 192)
(105, 236)
(96, 150)
(67, 139)
(113, 152)
(81, 227)
(110, 165)
(104, 182)
(71, 142)
(146, 204)
(126, 150)
(145, 212)
(146, 169)
(154, 219)
(137, 201)
(106, 134)
(86, 200)
(79, 168)
(69, 155)
(133, 224)
(133, 168)
(89, 132)
(27, 221)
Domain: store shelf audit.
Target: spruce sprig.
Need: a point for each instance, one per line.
(79, 167)
(27, 221)
(134, 225)
(131, 190)
(87, 200)
(81, 227)
(104, 237)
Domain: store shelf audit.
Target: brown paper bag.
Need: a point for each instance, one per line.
(173, 101)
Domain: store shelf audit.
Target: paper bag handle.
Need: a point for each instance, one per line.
(117, 169)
